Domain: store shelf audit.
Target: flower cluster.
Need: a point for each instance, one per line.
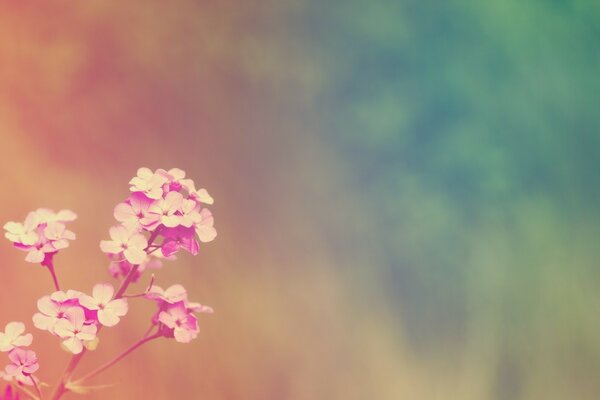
(23, 362)
(163, 214)
(75, 317)
(166, 206)
(175, 316)
(42, 234)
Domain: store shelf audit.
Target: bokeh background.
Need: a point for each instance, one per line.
(407, 192)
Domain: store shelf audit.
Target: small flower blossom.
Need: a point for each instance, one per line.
(42, 234)
(22, 233)
(47, 215)
(13, 337)
(131, 243)
(204, 226)
(179, 238)
(173, 177)
(148, 183)
(172, 295)
(133, 212)
(54, 308)
(189, 212)
(175, 313)
(109, 311)
(58, 235)
(74, 331)
(178, 322)
(166, 211)
(200, 195)
(23, 364)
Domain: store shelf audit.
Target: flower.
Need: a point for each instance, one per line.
(172, 295)
(74, 331)
(13, 337)
(131, 243)
(204, 226)
(175, 313)
(54, 308)
(178, 322)
(22, 233)
(148, 182)
(179, 238)
(200, 195)
(173, 177)
(42, 234)
(23, 364)
(165, 211)
(109, 311)
(134, 211)
(57, 233)
(47, 215)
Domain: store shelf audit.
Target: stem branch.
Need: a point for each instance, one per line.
(115, 360)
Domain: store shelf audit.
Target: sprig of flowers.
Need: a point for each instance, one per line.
(163, 214)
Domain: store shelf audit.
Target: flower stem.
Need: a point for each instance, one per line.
(115, 360)
(61, 387)
(54, 277)
(37, 387)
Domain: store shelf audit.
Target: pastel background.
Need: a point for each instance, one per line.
(407, 192)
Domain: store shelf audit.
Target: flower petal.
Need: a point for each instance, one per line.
(103, 292)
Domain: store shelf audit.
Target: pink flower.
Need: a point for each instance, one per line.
(23, 233)
(23, 364)
(133, 212)
(165, 211)
(54, 308)
(58, 235)
(42, 234)
(173, 306)
(131, 243)
(200, 195)
(13, 337)
(178, 322)
(189, 212)
(179, 238)
(74, 331)
(148, 183)
(204, 226)
(172, 295)
(173, 177)
(47, 215)
(109, 311)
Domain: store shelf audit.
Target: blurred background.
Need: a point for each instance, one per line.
(406, 191)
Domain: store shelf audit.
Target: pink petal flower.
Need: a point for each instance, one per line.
(204, 226)
(54, 308)
(42, 234)
(179, 323)
(13, 337)
(172, 295)
(23, 364)
(131, 243)
(109, 311)
(200, 195)
(74, 331)
(133, 211)
(148, 183)
(165, 211)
